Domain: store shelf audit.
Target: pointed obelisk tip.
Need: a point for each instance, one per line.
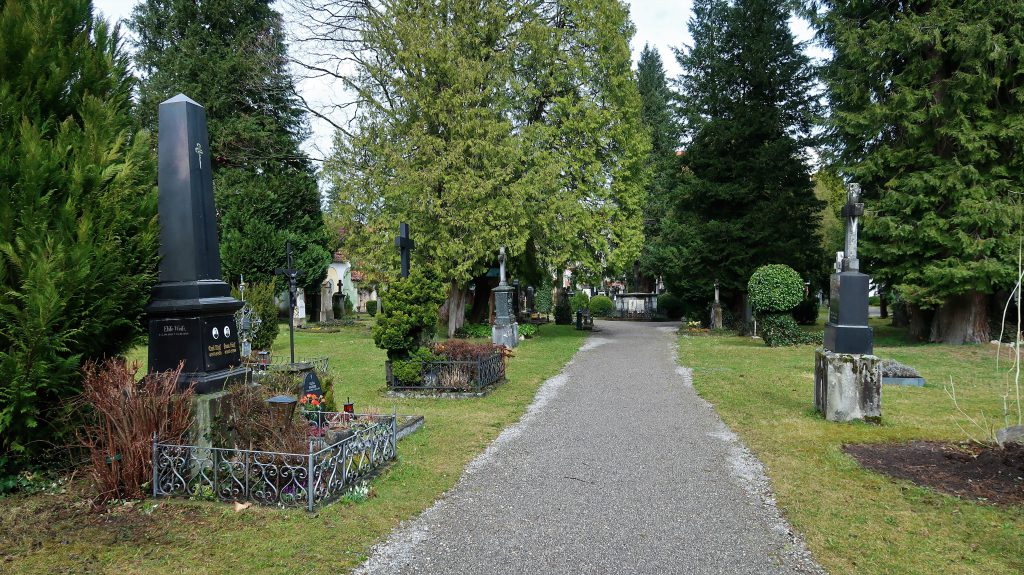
(181, 98)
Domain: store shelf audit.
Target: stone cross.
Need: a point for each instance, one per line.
(291, 274)
(501, 263)
(404, 245)
(851, 211)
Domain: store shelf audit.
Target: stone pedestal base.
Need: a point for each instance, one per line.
(847, 386)
(507, 335)
(206, 408)
(716, 316)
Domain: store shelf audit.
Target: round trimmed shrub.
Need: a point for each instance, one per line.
(670, 305)
(371, 307)
(580, 301)
(602, 306)
(775, 288)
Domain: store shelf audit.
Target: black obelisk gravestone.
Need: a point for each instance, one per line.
(191, 312)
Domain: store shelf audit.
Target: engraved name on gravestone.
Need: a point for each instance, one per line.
(311, 385)
(191, 311)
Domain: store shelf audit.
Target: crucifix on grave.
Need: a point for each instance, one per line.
(291, 275)
(846, 380)
(405, 246)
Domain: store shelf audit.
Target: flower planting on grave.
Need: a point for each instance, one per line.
(275, 450)
(450, 366)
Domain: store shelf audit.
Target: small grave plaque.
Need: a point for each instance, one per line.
(311, 385)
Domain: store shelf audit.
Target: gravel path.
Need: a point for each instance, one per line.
(617, 467)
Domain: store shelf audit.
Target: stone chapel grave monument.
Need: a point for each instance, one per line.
(847, 379)
(191, 311)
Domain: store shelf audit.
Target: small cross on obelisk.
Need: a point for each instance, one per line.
(851, 211)
(291, 273)
(404, 245)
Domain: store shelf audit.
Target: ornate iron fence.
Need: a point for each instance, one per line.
(452, 376)
(309, 479)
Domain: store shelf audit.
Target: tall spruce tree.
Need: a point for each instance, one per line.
(744, 196)
(78, 235)
(658, 118)
(230, 56)
(927, 114)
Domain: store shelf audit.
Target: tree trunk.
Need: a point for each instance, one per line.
(962, 319)
(455, 306)
(884, 305)
(918, 322)
(481, 295)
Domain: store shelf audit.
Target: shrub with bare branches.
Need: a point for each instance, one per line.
(122, 415)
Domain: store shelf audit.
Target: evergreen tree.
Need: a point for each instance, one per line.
(487, 124)
(656, 98)
(78, 232)
(744, 197)
(229, 55)
(581, 113)
(927, 116)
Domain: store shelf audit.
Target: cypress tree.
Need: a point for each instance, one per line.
(78, 235)
(926, 114)
(744, 197)
(230, 56)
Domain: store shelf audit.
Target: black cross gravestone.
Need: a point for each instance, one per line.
(191, 311)
(291, 274)
(404, 245)
(847, 329)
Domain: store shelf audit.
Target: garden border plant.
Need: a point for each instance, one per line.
(775, 290)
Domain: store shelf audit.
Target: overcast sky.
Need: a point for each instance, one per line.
(661, 23)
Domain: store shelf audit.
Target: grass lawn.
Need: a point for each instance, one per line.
(857, 521)
(55, 533)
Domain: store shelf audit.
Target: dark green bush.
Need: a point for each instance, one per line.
(775, 288)
(670, 305)
(408, 372)
(780, 329)
(409, 315)
(260, 297)
(371, 307)
(579, 301)
(602, 306)
(806, 312)
(563, 312)
(542, 298)
(474, 331)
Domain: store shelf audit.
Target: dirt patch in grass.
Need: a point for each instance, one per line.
(966, 470)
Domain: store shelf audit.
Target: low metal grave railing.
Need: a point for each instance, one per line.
(452, 376)
(321, 475)
(320, 364)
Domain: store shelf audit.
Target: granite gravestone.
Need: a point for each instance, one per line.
(847, 328)
(311, 385)
(505, 330)
(191, 311)
(847, 378)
